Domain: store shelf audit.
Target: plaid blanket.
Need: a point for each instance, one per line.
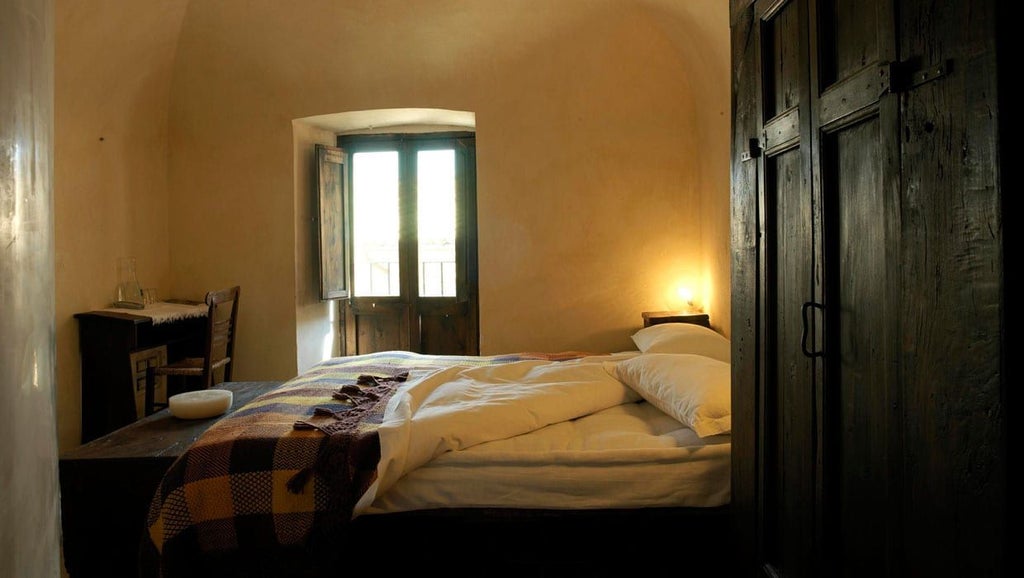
(269, 490)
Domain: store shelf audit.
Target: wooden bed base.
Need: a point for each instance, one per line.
(504, 542)
(488, 542)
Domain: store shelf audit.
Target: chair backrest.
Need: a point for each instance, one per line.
(220, 335)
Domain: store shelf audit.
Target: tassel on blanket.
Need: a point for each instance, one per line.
(345, 422)
(374, 380)
(319, 412)
(351, 394)
(298, 481)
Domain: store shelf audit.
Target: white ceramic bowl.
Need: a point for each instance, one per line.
(200, 404)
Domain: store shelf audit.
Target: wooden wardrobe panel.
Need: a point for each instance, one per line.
(780, 37)
(789, 389)
(870, 436)
(951, 295)
(849, 36)
(747, 358)
(859, 380)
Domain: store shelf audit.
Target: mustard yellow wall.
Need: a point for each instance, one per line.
(602, 156)
(112, 79)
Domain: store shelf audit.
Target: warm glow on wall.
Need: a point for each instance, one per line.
(682, 298)
(685, 295)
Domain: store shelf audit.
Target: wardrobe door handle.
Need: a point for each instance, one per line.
(803, 336)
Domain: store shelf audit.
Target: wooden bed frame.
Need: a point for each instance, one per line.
(563, 542)
(506, 542)
(458, 541)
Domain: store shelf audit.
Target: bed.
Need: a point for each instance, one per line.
(521, 464)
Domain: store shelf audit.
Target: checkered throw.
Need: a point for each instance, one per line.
(275, 482)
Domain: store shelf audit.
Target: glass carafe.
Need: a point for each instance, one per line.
(128, 288)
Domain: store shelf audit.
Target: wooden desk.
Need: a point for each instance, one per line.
(106, 485)
(116, 348)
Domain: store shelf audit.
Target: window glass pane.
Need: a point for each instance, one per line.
(375, 224)
(435, 186)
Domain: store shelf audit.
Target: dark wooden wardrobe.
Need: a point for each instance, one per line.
(868, 290)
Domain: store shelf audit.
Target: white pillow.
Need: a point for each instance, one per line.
(694, 389)
(683, 338)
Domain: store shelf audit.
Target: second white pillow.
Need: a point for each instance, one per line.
(694, 389)
(682, 338)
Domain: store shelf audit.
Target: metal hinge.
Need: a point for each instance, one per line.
(903, 77)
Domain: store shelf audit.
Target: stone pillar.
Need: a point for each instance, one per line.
(29, 491)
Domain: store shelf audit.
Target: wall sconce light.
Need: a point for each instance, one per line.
(682, 300)
(685, 295)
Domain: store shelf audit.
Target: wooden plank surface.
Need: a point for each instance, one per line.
(745, 331)
(162, 434)
(107, 484)
(952, 287)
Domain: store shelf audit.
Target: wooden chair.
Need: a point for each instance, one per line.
(218, 349)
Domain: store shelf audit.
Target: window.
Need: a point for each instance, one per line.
(410, 242)
(425, 211)
(375, 220)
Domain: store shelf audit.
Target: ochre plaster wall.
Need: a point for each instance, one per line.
(591, 163)
(602, 156)
(112, 81)
(708, 50)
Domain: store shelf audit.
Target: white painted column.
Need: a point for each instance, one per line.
(29, 500)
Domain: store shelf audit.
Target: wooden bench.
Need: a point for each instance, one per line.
(107, 485)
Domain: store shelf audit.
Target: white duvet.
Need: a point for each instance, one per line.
(462, 408)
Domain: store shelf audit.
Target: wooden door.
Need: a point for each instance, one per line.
(420, 305)
(855, 168)
(825, 124)
(849, 148)
(789, 255)
(828, 196)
